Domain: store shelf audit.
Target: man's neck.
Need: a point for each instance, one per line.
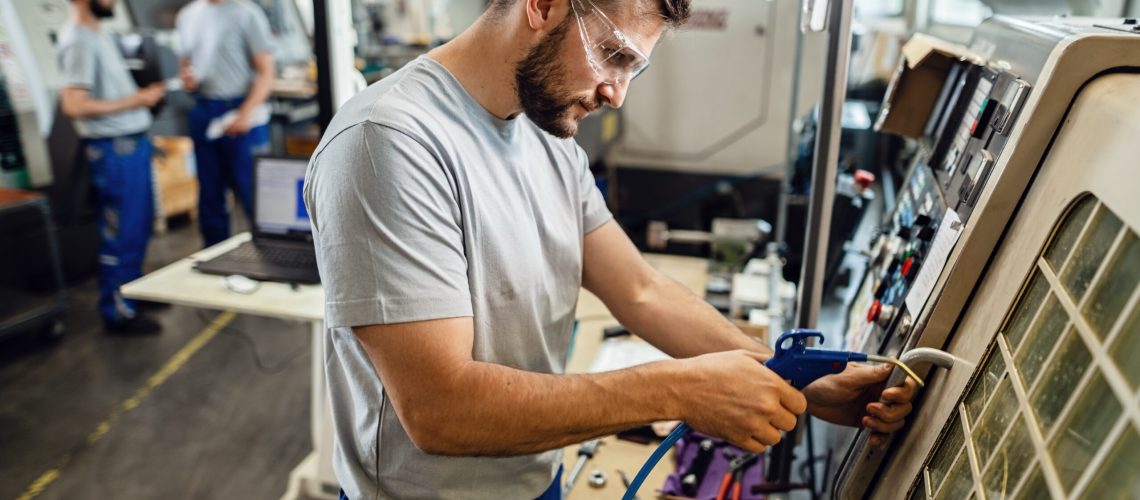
(81, 15)
(483, 58)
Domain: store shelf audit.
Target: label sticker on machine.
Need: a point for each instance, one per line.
(944, 240)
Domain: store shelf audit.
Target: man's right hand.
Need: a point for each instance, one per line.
(189, 82)
(732, 395)
(150, 95)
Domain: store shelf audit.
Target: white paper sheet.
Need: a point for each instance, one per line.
(615, 354)
(218, 125)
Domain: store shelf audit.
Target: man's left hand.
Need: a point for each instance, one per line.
(240, 126)
(856, 398)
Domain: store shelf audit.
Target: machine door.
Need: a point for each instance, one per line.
(1051, 408)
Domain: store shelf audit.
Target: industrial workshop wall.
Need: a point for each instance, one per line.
(1052, 408)
(718, 97)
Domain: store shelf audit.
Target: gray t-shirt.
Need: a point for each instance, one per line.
(90, 59)
(220, 40)
(425, 206)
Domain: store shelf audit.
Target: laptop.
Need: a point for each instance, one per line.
(282, 244)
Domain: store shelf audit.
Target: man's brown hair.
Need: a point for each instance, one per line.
(674, 12)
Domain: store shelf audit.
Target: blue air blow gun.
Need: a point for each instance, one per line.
(795, 362)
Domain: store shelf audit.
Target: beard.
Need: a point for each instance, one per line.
(539, 78)
(99, 10)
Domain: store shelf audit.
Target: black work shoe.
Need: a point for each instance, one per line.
(138, 325)
(146, 305)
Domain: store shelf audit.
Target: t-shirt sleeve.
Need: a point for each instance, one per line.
(77, 64)
(387, 229)
(594, 209)
(183, 35)
(258, 37)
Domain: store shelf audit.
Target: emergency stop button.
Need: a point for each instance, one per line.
(873, 312)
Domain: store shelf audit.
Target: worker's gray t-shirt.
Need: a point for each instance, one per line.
(220, 40)
(89, 59)
(425, 206)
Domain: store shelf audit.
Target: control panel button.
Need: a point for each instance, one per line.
(987, 113)
(864, 178)
(894, 266)
(926, 233)
(886, 314)
(873, 312)
(880, 290)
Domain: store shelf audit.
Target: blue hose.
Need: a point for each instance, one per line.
(794, 362)
(669, 441)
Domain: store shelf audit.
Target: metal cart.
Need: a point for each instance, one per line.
(33, 298)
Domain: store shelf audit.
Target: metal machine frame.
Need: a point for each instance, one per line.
(1057, 58)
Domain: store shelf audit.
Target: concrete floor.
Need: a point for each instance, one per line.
(229, 423)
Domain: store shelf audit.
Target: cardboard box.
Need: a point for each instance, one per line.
(914, 89)
(176, 186)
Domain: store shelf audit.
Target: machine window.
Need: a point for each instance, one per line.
(1111, 295)
(1089, 254)
(1052, 410)
(1027, 310)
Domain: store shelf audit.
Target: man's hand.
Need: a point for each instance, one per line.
(189, 81)
(734, 396)
(856, 398)
(240, 125)
(148, 96)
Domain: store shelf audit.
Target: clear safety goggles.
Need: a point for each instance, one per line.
(611, 54)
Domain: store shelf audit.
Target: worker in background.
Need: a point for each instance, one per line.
(227, 63)
(455, 220)
(111, 115)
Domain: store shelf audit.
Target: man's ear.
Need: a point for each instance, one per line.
(545, 15)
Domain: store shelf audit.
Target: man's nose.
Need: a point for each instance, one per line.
(614, 93)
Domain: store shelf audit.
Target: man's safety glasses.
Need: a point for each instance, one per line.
(612, 55)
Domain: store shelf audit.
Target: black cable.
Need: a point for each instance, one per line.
(811, 457)
(258, 363)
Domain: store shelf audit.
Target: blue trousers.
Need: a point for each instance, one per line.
(121, 172)
(224, 163)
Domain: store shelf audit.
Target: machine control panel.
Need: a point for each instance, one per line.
(963, 141)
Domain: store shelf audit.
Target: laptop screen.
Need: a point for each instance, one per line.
(277, 187)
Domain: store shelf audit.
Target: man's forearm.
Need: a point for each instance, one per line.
(681, 324)
(90, 108)
(258, 93)
(494, 410)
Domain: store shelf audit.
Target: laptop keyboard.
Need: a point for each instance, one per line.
(273, 255)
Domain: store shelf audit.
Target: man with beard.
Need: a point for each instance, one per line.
(111, 116)
(455, 221)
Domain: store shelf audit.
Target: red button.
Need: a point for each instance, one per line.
(873, 312)
(906, 266)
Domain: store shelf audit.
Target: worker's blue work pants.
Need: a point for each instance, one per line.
(223, 163)
(554, 492)
(121, 172)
